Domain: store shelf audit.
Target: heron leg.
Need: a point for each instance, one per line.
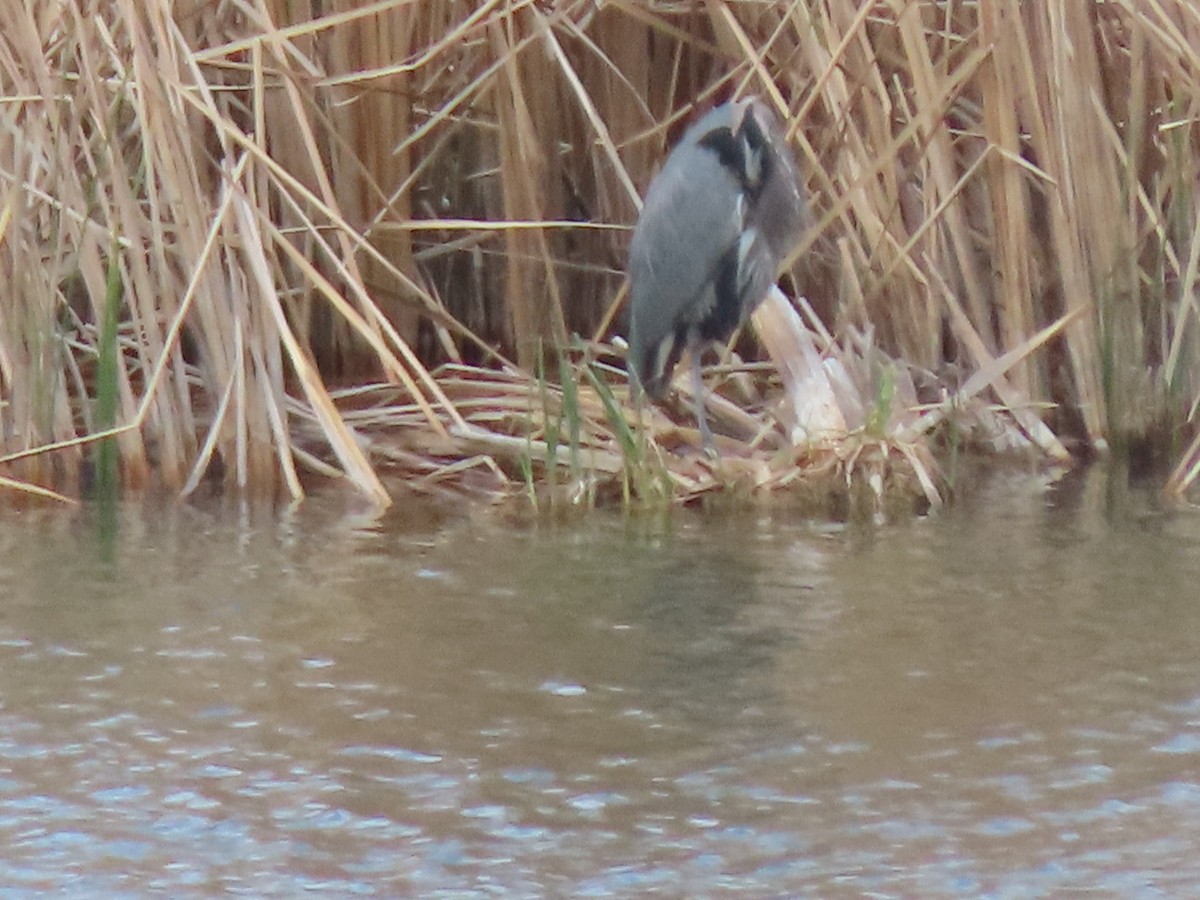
(706, 436)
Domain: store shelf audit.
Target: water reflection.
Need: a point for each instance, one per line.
(1004, 699)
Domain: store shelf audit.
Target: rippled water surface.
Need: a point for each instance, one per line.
(1001, 700)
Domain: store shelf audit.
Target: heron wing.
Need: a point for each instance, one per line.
(690, 222)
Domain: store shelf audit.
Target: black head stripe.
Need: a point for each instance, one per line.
(728, 149)
(743, 152)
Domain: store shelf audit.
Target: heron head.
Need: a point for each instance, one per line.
(750, 145)
(744, 145)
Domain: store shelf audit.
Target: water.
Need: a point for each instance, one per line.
(1002, 700)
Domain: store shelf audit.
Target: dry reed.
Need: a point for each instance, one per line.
(352, 239)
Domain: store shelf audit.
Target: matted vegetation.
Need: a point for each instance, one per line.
(253, 239)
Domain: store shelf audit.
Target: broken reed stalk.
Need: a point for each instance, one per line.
(291, 195)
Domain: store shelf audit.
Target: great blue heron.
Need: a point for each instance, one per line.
(715, 225)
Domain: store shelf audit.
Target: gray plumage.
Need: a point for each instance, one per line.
(716, 223)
